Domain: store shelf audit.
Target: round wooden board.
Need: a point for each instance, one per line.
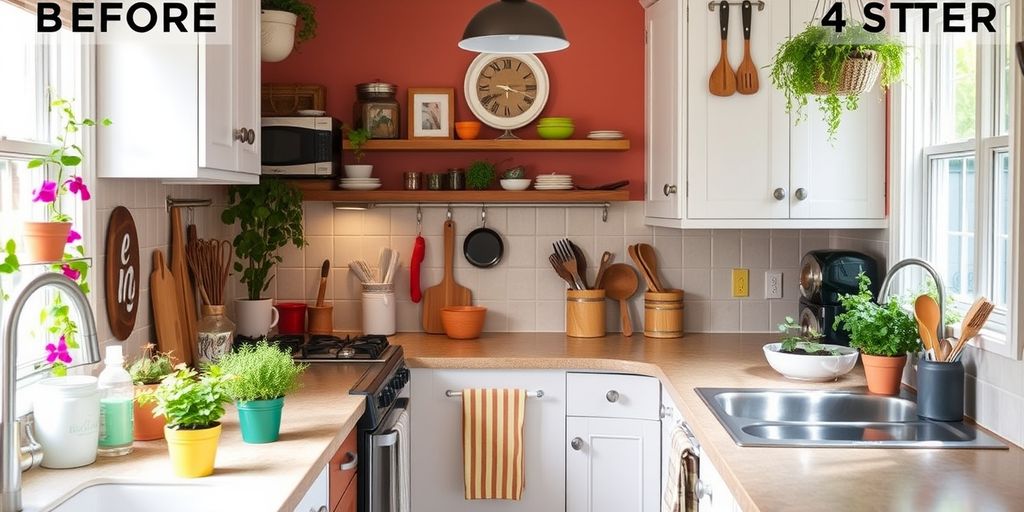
(122, 273)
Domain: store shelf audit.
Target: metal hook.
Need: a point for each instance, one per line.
(604, 213)
(483, 215)
(419, 220)
(191, 215)
(448, 214)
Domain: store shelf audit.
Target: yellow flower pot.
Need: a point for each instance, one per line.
(193, 452)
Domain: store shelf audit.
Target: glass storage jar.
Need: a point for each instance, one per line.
(216, 334)
(377, 110)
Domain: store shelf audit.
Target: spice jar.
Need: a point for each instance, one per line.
(435, 181)
(376, 110)
(413, 180)
(456, 179)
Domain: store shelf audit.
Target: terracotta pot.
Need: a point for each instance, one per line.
(147, 428)
(45, 241)
(463, 322)
(884, 373)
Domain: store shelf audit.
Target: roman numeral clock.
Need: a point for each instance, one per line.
(506, 91)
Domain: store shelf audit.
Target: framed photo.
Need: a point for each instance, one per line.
(431, 112)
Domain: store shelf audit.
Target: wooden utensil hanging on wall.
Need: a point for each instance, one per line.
(183, 288)
(166, 316)
(746, 75)
(447, 292)
(723, 78)
(122, 273)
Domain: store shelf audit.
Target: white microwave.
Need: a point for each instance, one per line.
(300, 146)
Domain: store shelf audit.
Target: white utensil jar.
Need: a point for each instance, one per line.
(67, 420)
(379, 312)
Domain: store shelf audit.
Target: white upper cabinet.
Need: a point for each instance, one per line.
(739, 161)
(185, 107)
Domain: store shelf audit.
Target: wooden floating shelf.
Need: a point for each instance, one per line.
(493, 145)
(466, 196)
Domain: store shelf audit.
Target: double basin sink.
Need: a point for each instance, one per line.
(840, 419)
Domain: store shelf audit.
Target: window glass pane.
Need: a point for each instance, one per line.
(970, 193)
(21, 97)
(957, 87)
(1001, 204)
(955, 263)
(1004, 70)
(954, 173)
(955, 209)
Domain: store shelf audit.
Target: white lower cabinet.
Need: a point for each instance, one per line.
(612, 465)
(317, 498)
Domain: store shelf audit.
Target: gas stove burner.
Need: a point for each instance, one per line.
(362, 348)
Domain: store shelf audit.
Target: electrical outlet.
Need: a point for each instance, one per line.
(740, 282)
(773, 285)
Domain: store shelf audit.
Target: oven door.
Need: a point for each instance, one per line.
(387, 467)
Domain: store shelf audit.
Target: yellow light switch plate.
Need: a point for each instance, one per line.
(740, 282)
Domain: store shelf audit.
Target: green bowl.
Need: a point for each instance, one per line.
(555, 132)
(555, 120)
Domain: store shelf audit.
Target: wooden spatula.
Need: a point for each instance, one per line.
(746, 75)
(166, 316)
(723, 78)
(447, 292)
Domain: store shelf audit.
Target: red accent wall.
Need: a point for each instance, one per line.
(598, 80)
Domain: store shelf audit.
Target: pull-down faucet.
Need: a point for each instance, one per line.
(10, 453)
(915, 262)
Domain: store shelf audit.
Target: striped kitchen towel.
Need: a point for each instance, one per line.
(492, 443)
(681, 475)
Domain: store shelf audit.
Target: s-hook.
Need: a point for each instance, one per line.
(419, 220)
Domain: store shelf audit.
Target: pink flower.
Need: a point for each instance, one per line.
(47, 193)
(71, 273)
(74, 235)
(76, 186)
(58, 352)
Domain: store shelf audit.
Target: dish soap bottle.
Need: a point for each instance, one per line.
(116, 405)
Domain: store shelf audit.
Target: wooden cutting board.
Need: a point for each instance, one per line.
(183, 287)
(166, 316)
(447, 292)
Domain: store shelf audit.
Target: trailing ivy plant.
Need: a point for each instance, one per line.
(270, 217)
(190, 401)
(877, 330)
(304, 10)
(816, 56)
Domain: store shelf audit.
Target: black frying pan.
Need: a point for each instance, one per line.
(483, 247)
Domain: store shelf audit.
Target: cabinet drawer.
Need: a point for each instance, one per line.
(348, 500)
(341, 478)
(612, 396)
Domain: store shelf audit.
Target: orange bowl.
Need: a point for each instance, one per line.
(463, 322)
(467, 130)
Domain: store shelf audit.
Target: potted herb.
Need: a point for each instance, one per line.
(147, 372)
(480, 175)
(278, 19)
(192, 405)
(357, 139)
(265, 374)
(799, 355)
(883, 333)
(835, 68)
(270, 217)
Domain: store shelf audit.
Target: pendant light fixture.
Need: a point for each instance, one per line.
(513, 26)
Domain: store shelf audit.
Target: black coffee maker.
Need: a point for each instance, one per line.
(824, 276)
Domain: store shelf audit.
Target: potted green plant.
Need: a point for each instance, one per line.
(192, 405)
(270, 217)
(147, 372)
(357, 138)
(278, 19)
(264, 375)
(835, 68)
(480, 175)
(883, 333)
(8, 265)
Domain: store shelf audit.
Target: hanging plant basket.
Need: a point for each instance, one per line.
(859, 74)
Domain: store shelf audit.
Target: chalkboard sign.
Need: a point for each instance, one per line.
(122, 273)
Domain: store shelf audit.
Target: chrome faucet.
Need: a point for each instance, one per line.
(10, 452)
(915, 262)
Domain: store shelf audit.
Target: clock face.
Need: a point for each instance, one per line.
(506, 91)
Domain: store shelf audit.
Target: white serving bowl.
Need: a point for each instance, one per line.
(516, 184)
(811, 368)
(358, 170)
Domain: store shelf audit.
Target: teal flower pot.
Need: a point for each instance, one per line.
(260, 420)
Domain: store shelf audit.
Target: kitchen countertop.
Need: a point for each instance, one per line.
(769, 479)
(273, 476)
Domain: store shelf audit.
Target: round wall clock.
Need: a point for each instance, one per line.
(506, 91)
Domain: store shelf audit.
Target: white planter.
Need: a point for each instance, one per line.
(67, 420)
(255, 318)
(358, 171)
(277, 35)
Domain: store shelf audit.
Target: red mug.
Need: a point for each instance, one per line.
(293, 318)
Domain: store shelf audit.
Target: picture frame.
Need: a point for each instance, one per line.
(431, 112)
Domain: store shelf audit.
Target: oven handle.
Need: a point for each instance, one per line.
(388, 438)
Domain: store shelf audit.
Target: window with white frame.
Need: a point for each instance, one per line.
(957, 108)
(35, 68)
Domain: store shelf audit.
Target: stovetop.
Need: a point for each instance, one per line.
(328, 348)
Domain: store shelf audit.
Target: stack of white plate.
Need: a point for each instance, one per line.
(359, 183)
(553, 182)
(605, 135)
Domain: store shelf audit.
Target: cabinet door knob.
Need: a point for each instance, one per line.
(250, 137)
(669, 189)
(779, 194)
(241, 134)
(801, 194)
(612, 396)
(351, 461)
(576, 443)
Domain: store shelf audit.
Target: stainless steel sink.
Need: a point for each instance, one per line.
(841, 419)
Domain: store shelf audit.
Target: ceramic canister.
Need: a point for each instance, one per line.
(255, 318)
(67, 420)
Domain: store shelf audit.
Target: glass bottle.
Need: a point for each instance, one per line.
(116, 405)
(216, 334)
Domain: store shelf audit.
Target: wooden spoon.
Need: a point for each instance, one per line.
(634, 254)
(926, 311)
(649, 259)
(746, 75)
(606, 259)
(325, 270)
(723, 78)
(620, 283)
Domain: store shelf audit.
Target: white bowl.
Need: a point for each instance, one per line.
(358, 170)
(811, 368)
(516, 184)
